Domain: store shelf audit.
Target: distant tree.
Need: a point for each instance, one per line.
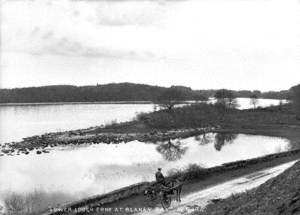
(284, 94)
(257, 93)
(188, 94)
(226, 98)
(253, 100)
(295, 92)
(281, 103)
(114, 92)
(169, 98)
(198, 97)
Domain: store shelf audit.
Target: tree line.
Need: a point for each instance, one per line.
(120, 92)
(98, 93)
(283, 94)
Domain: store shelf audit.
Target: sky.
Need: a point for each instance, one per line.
(203, 44)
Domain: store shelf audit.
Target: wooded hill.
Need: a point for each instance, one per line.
(114, 92)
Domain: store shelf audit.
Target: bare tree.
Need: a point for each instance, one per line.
(254, 100)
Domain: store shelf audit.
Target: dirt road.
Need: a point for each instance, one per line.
(197, 200)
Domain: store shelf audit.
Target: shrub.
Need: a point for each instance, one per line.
(33, 203)
(192, 171)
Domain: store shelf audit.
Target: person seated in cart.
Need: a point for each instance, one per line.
(162, 183)
(160, 177)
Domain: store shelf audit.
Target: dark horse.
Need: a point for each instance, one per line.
(164, 192)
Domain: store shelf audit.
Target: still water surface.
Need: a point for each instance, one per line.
(19, 121)
(78, 172)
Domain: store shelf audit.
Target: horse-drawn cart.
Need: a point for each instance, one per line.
(163, 193)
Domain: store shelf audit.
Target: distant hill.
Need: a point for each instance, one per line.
(111, 92)
(98, 93)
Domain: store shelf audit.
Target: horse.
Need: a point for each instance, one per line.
(164, 192)
(176, 185)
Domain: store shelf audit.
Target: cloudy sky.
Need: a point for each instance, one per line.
(237, 44)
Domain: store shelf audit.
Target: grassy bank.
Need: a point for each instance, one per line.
(280, 195)
(207, 115)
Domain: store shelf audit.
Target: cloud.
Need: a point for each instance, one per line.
(67, 47)
(217, 42)
(83, 28)
(145, 13)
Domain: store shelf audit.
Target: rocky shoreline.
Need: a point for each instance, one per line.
(43, 143)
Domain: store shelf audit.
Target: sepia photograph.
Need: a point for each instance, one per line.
(149, 107)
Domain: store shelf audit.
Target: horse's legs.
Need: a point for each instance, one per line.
(179, 193)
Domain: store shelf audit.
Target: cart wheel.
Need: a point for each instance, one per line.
(151, 202)
(165, 201)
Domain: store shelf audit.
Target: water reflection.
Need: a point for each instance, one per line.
(218, 140)
(172, 150)
(204, 139)
(223, 138)
(79, 172)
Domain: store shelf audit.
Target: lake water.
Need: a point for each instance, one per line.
(19, 121)
(71, 172)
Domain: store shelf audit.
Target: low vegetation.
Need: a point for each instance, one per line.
(192, 171)
(223, 113)
(32, 203)
(209, 115)
(196, 115)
